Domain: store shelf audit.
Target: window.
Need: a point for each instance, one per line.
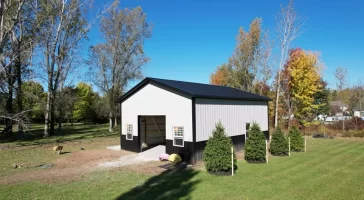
(247, 127)
(178, 134)
(129, 131)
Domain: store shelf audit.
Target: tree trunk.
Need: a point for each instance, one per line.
(52, 116)
(9, 109)
(276, 107)
(289, 116)
(19, 95)
(116, 122)
(60, 118)
(46, 117)
(110, 122)
(277, 101)
(60, 123)
(9, 103)
(68, 119)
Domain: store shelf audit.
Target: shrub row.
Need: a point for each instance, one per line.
(217, 153)
(255, 150)
(297, 141)
(279, 143)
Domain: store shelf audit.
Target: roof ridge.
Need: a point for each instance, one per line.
(156, 79)
(199, 90)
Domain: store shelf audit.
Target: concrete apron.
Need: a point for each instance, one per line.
(148, 155)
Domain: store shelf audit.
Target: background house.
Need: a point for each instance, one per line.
(338, 108)
(358, 112)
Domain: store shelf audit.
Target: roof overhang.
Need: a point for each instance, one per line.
(148, 80)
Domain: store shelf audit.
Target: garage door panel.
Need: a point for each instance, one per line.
(155, 130)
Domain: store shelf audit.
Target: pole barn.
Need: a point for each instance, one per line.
(182, 115)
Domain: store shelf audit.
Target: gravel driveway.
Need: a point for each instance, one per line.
(149, 155)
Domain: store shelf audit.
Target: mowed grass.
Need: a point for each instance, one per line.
(78, 131)
(331, 169)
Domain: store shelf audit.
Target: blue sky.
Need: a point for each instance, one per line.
(191, 38)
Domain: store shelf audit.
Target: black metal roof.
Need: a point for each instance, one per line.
(198, 90)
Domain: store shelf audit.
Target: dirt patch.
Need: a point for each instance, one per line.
(240, 155)
(70, 166)
(88, 158)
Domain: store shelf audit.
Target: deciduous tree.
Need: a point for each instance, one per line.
(341, 82)
(244, 59)
(301, 81)
(288, 28)
(33, 100)
(16, 45)
(120, 59)
(61, 26)
(222, 75)
(83, 105)
(321, 100)
(249, 67)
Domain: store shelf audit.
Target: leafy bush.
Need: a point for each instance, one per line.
(217, 153)
(255, 145)
(353, 133)
(354, 123)
(297, 141)
(279, 144)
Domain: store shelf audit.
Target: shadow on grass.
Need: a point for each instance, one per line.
(68, 133)
(171, 184)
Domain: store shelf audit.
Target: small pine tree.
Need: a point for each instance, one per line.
(297, 141)
(217, 153)
(279, 144)
(255, 145)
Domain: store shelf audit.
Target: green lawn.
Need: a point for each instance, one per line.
(78, 131)
(331, 169)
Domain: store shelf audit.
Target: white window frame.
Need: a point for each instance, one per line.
(128, 131)
(178, 137)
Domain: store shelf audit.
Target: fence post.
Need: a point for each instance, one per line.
(289, 146)
(232, 161)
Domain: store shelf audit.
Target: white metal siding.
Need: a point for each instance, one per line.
(233, 114)
(152, 100)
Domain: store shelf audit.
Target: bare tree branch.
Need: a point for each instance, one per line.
(288, 28)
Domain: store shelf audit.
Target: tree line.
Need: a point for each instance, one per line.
(42, 40)
(291, 77)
